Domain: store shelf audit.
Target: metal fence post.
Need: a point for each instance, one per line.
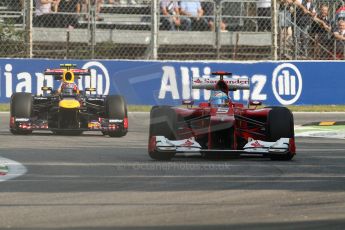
(218, 21)
(92, 14)
(296, 39)
(67, 43)
(28, 12)
(154, 29)
(274, 29)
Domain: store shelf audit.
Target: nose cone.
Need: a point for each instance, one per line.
(69, 104)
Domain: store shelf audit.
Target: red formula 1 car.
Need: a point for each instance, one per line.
(220, 127)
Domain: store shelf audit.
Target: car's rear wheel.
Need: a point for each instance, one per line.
(21, 107)
(280, 125)
(116, 108)
(163, 122)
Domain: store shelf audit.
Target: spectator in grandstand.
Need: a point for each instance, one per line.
(264, 14)
(209, 13)
(192, 15)
(304, 13)
(95, 3)
(322, 20)
(320, 31)
(339, 36)
(170, 15)
(69, 7)
(285, 19)
(44, 13)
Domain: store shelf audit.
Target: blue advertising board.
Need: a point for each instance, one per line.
(169, 82)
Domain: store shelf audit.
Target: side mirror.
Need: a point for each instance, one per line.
(255, 103)
(45, 88)
(90, 89)
(188, 102)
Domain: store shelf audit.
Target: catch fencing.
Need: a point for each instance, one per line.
(151, 30)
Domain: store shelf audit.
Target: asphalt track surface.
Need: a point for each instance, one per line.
(96, 182)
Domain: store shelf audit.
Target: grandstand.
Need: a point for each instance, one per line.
(126, 33)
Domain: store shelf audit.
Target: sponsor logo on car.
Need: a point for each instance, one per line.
(115, 120)
(256, 144)
(198, 81)
(222, 110)
(187, 143)
(3, 170)
(22, 119)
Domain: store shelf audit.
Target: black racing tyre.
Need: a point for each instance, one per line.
(163, 122)
(280, 125)
(21, 107)
(116, 108)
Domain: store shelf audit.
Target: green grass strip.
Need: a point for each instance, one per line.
(4, 107)
(317, 108)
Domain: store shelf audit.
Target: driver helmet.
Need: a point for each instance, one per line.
(219, 98)
(69, 88)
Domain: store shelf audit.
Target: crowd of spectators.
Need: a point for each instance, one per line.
(175, 15)
(56, 13)
(189, 16)
(315, 30)
(66, 13)
(63, 13)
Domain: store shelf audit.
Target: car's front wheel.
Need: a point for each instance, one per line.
(163, 122)
(280, 125)
(116, 109)
(21, 107)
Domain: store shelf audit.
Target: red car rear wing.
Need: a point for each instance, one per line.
(225, 85)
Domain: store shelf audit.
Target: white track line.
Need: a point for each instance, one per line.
(15, 169)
